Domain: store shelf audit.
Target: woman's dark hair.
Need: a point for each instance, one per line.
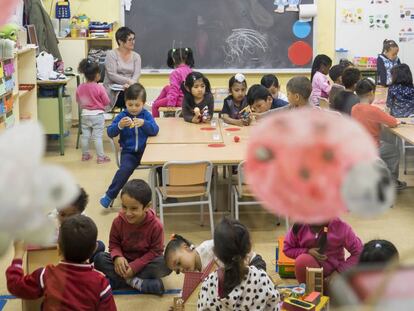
(269, 80)
(136, 91)
(139, 190)
(232, 245)
(322, 239)
(336, 72)
(257, 92)
(345, 63)
(122, 34)
(319, 61)
(189, 83)
(234, 80)
(180, 55)
(401, 74)
(378, 251)
(350, 77)
(174, 244)
(388, 45)
(89, 69)
(364, 86)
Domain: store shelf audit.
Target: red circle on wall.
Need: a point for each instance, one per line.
(300, 53)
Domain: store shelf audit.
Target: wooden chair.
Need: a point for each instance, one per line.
(170, 111)
(241, 195)
(186, 180)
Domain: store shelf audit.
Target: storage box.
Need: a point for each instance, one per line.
(285, 266)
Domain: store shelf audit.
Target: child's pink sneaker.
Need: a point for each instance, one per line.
(86, 157)
(103, 159)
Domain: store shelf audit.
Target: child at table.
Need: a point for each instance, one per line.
(260, 101)
(400, 98)
(373, 118)
(93, 100)
(73, 284)
(198, 102)
(386, 61)
(181, 60)
(344, 100)
(271, 82)
(320, 83)
(323, 245)
(335, 73)
(182, 256)
(235, 104)
(134, 125)
(136, 243)
(236, 286)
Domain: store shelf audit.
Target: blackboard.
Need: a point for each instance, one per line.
(224, 34)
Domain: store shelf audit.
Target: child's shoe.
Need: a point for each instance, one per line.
(86, 156)
(103, 159)
(147, 286)
(105, 201)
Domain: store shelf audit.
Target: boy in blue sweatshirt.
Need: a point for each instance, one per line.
(134, 125)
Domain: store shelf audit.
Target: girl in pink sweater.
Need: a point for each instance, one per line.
(316, 246)
(319, 78)
(171, 95)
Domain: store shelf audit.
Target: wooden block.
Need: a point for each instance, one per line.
(313, 297)
(314, 280)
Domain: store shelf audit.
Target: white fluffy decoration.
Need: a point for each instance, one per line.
(29, 189)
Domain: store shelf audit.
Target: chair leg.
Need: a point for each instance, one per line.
(201, 215)
(78, 136)
(210, 208)
(160, 199)
(215, 180)
(236, 206)
(287, 223)
(152, 180)
(404, 151)
(232, 203)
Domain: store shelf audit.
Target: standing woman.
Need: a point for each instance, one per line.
(122, 67)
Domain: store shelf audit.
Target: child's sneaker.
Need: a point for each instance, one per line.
(105, 201)
(86, 157)
(103, 159)
(147, 286)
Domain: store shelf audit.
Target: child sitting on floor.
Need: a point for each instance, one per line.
(182, 256)
(136, 243)
(236, 286)
(316, 246)
(73, 284)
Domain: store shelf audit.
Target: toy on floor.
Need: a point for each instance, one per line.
(314, 280)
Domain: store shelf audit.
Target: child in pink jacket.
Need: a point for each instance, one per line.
(323, 246)
(319, 78)
(171, 95)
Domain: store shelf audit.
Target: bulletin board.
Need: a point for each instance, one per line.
(362, 26)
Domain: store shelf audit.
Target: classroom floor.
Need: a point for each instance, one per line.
(396, 225)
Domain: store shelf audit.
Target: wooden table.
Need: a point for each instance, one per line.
(177, 131)
(59, 85)
(405, 131)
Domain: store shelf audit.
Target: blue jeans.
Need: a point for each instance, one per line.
(129, 162)
(93, 127)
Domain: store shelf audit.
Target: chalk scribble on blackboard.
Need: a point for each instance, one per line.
(243, 45)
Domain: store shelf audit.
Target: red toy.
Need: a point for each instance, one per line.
(236, 139)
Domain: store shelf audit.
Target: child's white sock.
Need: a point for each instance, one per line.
(135, 282)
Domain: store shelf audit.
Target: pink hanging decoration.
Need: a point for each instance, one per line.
(6, 9)
(297, 162)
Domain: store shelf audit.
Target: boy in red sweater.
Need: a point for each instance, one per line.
(73, 284)
(136, 243)
(373, 118)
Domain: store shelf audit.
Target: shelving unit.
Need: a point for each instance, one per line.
(24, 102)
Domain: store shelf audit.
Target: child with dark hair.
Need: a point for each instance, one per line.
(73, 284)
(260, 101)
(136, 243)
(236, 286)
(198, 103)
(400, 99)
(236, 102)
(181, 60)
(373, 118)
(335, 73)
(299, 90)
(323, 245)
(386, 61)
(271, 82)
(77, 207)
(93, 101)
(134, 125)
(346, 99)
(345, 63)
(378, 251)
(320, 83)
(182, 256)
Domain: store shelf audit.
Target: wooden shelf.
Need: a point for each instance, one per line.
(87, 39)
